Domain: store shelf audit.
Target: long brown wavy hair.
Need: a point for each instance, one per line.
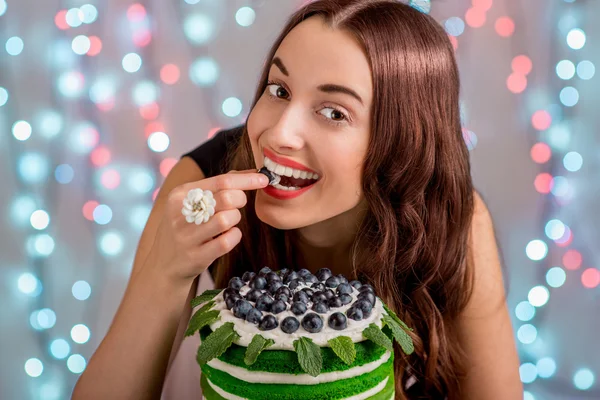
(412, 246)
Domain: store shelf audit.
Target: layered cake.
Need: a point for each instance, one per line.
(290, 335)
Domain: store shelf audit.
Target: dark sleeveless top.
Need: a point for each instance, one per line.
(211, 157)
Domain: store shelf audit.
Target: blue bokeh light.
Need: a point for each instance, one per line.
(145, 92)
(14, 46)
(569, 96)
(527, 334)
(29, 284)
(132, 62)
(64, 173)
(80, 333)
(141, 181)
(556, 277)
(583, 379)
(546, 367)
(76, 363)
(21, 130)
(33, 167)
(536, 250)
(49, 123)
(538, 296)
(573, 161)
(576, 38)
(555, 229)
(158, 142)
(528, 372)
(586, 70)
(455, 26)
(81, 290)
(34, 367)
(245, 16)
(525, 311)
(111, 243)
(139, 216)
(88, 13)
(21, 209)
(565, 69)
(102, 214)
(3, 96)
(204, 71)
(60, 349)
(198, 28)
(232, 107)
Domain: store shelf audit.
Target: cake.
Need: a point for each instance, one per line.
(290, 335)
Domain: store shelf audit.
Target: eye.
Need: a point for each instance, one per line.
(276, 90)
(333, 115)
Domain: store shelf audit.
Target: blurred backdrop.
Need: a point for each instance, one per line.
(98, 100)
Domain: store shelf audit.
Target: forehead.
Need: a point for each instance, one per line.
(315, 53)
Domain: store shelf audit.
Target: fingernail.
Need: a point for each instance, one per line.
(264, 180)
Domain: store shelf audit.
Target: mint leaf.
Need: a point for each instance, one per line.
(205, 296)
(395, 317)
(344, 348)
(256, 346)
(403, 339)
(309, 356)
(200, 320)
(376, 335)
(216, 343)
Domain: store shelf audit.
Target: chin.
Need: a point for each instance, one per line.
(278, 218)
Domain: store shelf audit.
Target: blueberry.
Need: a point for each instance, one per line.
(241, 308)
(354, 313)
(229, 291)
(268, 322)
(283, 297)
(298, 307)
(318, 296)
(284, 290)
(253, 295)
(329, 294)
(248, 275)
(264, 271)
(301, 296)
(345, 298)
(235, 283)
(272, 276)
(344, 288)
(337, 321)
(283, 272)
(356, 284)
(311, 279)
(332, 282)
(303, 272)
(264, 302)
(258, 283)
(290, 325)
(278, 306)
(320, 307)
(308, 291)
(290, 277)
(294, 284)
(312, 323)
(366, 288)
(318, 286)
(370, 297)
(323, 274)
(231, 299)
(335, 302)
(364, 306)
(274, 286)
(253, 316)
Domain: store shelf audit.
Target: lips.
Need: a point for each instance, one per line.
(286, 162)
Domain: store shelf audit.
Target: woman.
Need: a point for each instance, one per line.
(365, 94)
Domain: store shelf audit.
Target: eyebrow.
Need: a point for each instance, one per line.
(326, 88)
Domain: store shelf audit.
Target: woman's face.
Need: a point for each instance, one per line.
(315, 111)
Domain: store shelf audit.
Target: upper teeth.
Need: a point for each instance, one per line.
(287, 171)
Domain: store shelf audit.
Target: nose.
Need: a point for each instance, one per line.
(288, 133)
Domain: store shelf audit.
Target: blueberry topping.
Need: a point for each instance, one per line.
(258, 282)
(323, 274)
(318, 286)
(290, 277)
(335, 302)
(312, 323)
(303, 272)
(268, 322)
(344, 288)
(272, 276)
(264, 302)
(298, 307)
(236, 283)
(253, 316)
(337, 321)
(294, 284)
(283, 272)
(253, 295)
(290, 325)
(345, 298)
(308, 291)
(320, 307)
(264, 271)
(241, 308)
(231, 299)
(274, 286)
(342, 278)
(356, 284)
(301, 296)
(329, 294)
(285, 290)
(332, 282)
(278, 306)
(248, 275)
(318, 296)
(370, 297)
(268, 174)
(366, 288)
(354, 313)
(364, 306)
(311, 279)
(229, 291)
(283, 297)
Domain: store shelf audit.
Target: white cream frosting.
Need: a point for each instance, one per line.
(300, 379)
(361, 396)
(284, 341)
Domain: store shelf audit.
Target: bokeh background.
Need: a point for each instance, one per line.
(99, 98)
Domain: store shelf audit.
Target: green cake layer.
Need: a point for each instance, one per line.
(287, 361)
(331, 390)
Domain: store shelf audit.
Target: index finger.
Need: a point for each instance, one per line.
(241, 180)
